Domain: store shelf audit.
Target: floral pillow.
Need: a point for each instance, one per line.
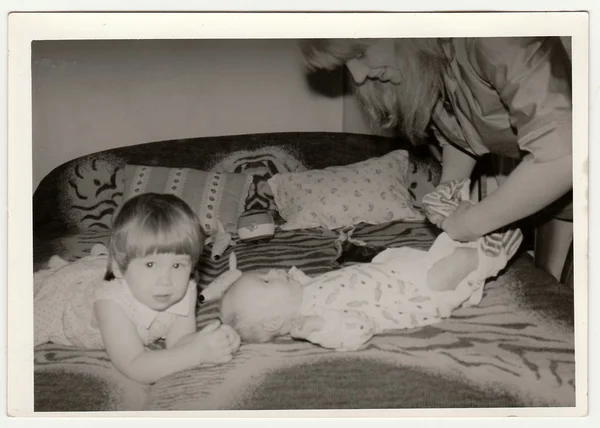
(374, 191)
(423, 177)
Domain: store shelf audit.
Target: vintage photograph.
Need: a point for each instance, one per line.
(303, 223)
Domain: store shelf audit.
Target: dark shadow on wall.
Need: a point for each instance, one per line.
(328, 83)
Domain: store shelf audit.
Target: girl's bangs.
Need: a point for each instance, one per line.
(152, 240)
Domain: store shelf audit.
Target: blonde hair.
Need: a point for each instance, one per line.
(329, 54)
(406, 107)
(244, 317)
(154, 223)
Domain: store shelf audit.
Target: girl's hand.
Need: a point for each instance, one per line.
(215, 343)
(458, 226)
(232, 336)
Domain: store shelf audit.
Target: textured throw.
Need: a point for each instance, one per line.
(514, 349)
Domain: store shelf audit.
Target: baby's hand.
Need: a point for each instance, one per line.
(215, 343)
(303, 326)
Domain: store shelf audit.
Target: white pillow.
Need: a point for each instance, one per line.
(372, 191)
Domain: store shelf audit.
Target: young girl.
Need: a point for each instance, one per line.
(141, 292)
(402, 288)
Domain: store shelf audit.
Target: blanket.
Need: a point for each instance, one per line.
(515, 349)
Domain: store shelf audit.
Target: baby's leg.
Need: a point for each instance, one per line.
(448, 272)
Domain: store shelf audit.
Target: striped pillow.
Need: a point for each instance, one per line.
(212, 195)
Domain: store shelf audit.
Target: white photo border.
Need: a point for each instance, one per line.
(25, 28)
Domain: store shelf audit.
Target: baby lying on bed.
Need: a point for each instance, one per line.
(343, 309)
(401, 288)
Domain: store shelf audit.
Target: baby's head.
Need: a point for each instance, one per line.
(261, 306)
(153, 223)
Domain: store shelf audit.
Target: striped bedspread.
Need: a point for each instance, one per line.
(514, 349)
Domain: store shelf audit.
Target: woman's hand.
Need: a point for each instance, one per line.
(458, 224)
(446, 197)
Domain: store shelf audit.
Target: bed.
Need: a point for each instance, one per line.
(515, 349)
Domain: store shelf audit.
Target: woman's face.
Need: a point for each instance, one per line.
(378, 63)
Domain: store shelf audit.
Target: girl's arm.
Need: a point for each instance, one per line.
(129, 356)
(183, 326)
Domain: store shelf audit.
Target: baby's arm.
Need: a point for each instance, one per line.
(447, 273)
(340, 330)
(127, 352)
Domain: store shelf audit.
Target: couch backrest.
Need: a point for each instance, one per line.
(76, 184)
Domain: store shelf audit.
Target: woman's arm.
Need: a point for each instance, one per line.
(528, 189)
(456, 165)
(531, 76)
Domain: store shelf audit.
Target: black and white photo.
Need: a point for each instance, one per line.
(390, 220)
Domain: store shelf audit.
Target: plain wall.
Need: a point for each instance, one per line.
(96, 95)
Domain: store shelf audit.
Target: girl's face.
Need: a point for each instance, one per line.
(159, 280)
(378, 62)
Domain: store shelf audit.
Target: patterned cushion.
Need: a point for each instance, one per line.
(212, 195)
(83, 194)
(89, 192)
(373, 191)
(262, 164)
